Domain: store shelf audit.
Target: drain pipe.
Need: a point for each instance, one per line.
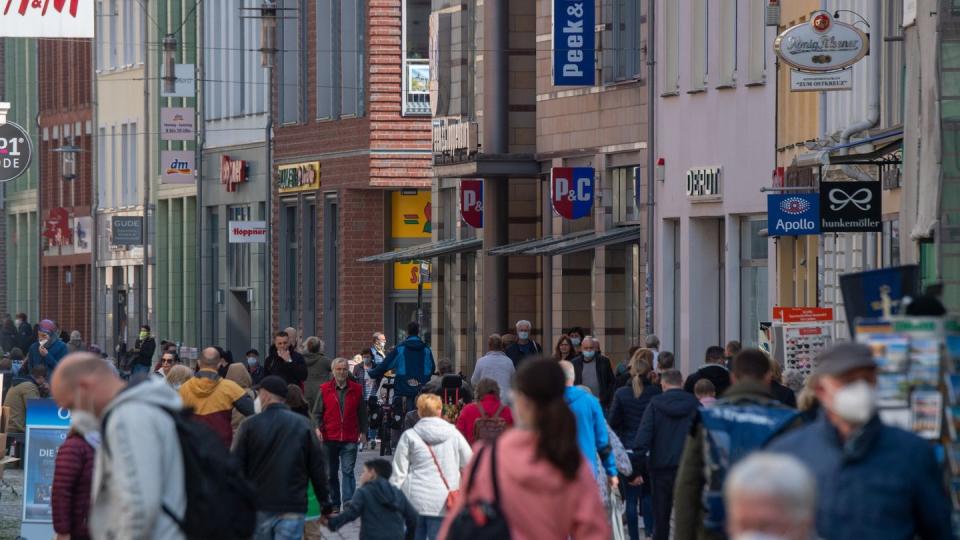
(651, 163)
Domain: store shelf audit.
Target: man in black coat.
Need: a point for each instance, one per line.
(713, 369)
(284, 362)
(595, 371)
(663, 432)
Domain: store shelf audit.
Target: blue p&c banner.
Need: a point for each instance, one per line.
(574, 43)
(793, 214)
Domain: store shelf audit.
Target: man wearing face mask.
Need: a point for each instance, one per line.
(253, 366)
(576, 335)
(873, 481)
(48, 349)
(525, 345)
(595, 371)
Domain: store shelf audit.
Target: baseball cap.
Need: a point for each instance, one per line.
(843, 358)
(275, 385)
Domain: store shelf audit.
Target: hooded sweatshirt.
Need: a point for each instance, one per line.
(213, 400)
(415, 472)
(664, 428)
(537, 501)
(413, 362)
(592, 434)
(383, 510)
(140, 467)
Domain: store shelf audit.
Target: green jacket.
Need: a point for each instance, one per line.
(691, 476)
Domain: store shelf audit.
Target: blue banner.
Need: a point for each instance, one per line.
(793, 214)
(574, 43)
(46, 413)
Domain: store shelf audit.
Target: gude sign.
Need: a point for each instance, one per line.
(573, 191)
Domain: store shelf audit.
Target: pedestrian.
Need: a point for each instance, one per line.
(591, 429)
(450, 386)
(495, 365)
(626, 412)
(662, 434)
(488, 417)
(427, 465)
(253, 366)
(26, 334)
(379, 348)
(178, 375)
(76, 342)
(575, 335)
(770, 496)
(138, 486)
(319, 367)
(16, 360)
(413, 363)
(595, 371)
(732, 349)
(652, 342)
(744, 419)
(214, 398)
(508, 339)
(525, 346)
(72, 478)
(369, 385)
(706, 393)
(49, 349)
(296, 401)
(341, 417)
(284, 362)
(168, 359)
(713, 369)
(7, 371)
(238, 374)
(780, 392)
(564, 350)
(143, 350)
(665, 360)
(384, 511)
(294, 338)
(32, 385)
(794, 380)
(8, 334)
(280, 455)
(873, 480)
(536, 476)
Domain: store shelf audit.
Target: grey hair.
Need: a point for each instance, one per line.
(590, 338)
(339, 360)
(522, 322)
(313, 342)
(779, 476)
(652, 341)
(793, 380)
(568, 372)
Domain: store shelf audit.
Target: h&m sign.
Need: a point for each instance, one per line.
(233, 172)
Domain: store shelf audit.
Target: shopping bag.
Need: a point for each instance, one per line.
(616, 509)
(313, 505)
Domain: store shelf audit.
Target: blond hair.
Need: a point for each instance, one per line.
(179, 374)
(641, 364)
(429, 405)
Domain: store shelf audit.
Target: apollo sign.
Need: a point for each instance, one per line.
(572, 192)
(823, 44)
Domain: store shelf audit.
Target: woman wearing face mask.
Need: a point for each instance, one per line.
(72, 477)
(564, 349)
(48, 349)
(576, 335)
(253, 366)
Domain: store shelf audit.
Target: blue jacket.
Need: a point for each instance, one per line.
(384, 512)
(627, 411)
(591, 429)
(56, 350)
(884, 483)
(664, 428)
(411, 360)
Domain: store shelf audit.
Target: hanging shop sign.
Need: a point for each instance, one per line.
(573, 43)
(233, 172)
(47, 427)
(16, 151)
(411, 214)
(82, 233)
(298, 177)
(126, 231)
(572, 189)
(471, 202)
(57, 229)
(185, 83)
(178, 166)
(802, 81)
(407, 275)
(793, 214)
(247, 232)
(47, 19)
(177, 124)
(802, 314)
(823, 44)
(850, 207)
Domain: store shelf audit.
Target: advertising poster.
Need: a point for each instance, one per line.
(47, 428)
(411, 214)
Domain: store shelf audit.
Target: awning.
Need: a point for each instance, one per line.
(571, 243)
(426, 251)
(884, 144)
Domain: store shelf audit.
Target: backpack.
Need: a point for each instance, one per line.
(488, 428)
(731, 432)
(481, 520)
(220, 502)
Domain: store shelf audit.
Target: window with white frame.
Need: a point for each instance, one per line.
(621, 40)
(416, 60)
(753, 278)
(757, 49)
(699, 45)
(670, 48)
(727, 46)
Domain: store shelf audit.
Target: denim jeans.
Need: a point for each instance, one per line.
(341, 456)
(275, 526)
(634, 496)
(428, 527)
(139, 368)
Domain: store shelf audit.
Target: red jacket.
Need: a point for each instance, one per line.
(471, 413)
(336, 425)
(70, 498)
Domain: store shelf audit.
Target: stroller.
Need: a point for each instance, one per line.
(386, 415)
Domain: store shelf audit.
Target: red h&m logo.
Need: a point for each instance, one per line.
(233, 172)
(35, 4)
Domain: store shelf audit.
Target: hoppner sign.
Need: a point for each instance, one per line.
(793, 214)
(573, 43)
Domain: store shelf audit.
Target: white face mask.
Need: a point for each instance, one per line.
(523, 335)
(575, 341)
(257, 406)
(751, 535)
(855, 402)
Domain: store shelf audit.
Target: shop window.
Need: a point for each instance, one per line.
(416, 61)
(238, 255)
(753, 278)
(891, 242)
(622, 41)
(288, 265)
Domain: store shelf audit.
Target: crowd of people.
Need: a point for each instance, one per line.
(568, 445)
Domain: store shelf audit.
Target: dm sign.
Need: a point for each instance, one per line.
(15, 151)
(573, 43)
(850, 207)
(573, 191)
(823, 44)
(471, 202)
(793, 214)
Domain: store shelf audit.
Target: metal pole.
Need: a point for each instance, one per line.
(198, 160)
(94, 196)
(144, 277)
(651, 163)
(268, 208)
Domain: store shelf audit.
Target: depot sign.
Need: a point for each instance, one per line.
(573, 42)
(247, 232)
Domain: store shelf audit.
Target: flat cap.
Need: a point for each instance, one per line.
(844, 357)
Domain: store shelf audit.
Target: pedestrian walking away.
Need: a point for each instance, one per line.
(714, 369)
(341, 416)
(591, 429)
(384, 511)
(495, 365)
(413, 364)
(319, 367)
(73, 476)
(488, 417)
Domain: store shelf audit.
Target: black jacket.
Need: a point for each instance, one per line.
(383, 510)
(279, 452)
(627, 411)
(26, 335)
(604, 375)
(664, 428)
(783, 394)
(144, 351)
(715, 373)
(293, 372)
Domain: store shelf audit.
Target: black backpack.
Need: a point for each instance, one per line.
(481, 520)
(220, 502)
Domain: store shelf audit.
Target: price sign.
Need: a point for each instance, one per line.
(15, 151)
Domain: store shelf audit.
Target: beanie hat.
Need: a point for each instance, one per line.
(48, 326)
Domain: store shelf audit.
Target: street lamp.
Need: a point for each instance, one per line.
(169, 59)
(268, 33)
(68, 160)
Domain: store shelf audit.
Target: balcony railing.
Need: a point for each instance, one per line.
(416, 87)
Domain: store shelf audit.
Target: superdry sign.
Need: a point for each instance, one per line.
(573, 43)
(573, 191)
(471, 202)
(793, 214)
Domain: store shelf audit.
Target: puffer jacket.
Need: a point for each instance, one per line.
(592, 435)
(415, 472)
(70, 496)
(142, 471)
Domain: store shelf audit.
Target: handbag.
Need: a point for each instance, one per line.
(452, 495)
(481, 520)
